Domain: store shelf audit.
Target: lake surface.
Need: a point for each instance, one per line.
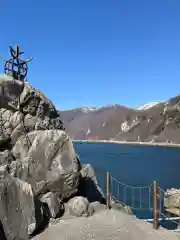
(136, 166)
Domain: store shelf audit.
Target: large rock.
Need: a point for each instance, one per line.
(17, 208)
(48, 163)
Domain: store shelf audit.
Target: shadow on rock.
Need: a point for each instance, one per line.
(89, 190)
(88, 186)
(42, 216)
(2, 234)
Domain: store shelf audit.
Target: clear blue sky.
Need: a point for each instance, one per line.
(97, 52)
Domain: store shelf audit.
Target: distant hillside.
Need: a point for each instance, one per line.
(157, 122)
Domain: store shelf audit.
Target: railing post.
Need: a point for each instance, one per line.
(155, 205)
(108, 190)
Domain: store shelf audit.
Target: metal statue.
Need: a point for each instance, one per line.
(16, 67)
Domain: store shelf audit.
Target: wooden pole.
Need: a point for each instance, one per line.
(108, 190)
(155, 189)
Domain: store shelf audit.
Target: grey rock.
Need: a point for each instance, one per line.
(172, 198)
(17, 212)
(79, 207)
(50, 160)
(36, 104)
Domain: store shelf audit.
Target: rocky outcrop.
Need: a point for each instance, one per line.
(125, 127)
(172, 201)
(40, 171)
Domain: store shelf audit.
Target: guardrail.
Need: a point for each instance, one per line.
(133, 197)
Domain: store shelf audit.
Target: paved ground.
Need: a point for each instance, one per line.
(105, 225)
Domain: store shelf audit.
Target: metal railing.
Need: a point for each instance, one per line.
(143, 198)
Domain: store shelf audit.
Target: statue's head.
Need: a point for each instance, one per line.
(15, 52)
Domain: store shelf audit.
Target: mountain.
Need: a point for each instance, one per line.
(155, 122)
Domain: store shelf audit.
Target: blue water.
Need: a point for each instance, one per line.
(135, 166)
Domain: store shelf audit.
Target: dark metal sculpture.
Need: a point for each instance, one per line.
(16, 67)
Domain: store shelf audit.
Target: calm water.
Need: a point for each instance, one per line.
(135, 166)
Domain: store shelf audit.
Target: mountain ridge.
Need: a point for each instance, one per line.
(155, 122)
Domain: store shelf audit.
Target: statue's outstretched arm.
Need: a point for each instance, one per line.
(28, 60)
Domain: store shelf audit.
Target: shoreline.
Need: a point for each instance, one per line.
(158, 144)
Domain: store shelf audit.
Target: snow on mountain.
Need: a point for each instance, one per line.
(92, 109)
(147, 106)
(88, 109)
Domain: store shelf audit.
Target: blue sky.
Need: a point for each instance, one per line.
(97, 52)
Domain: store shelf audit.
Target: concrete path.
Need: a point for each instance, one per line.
(105, 225)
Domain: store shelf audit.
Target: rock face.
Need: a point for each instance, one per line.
(17, 206)
(158, 123)
(36, 111)
(172, 199)
(50, 164)
(39, 168)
